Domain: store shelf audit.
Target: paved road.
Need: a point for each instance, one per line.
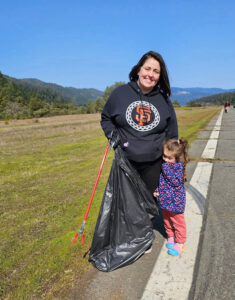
(214, 270)
(214, 274)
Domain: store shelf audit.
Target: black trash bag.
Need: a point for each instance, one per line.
(123, 230)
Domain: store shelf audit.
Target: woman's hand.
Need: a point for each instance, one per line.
(114, 140)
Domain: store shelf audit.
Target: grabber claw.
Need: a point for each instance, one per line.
(83, 238)
(74, 240)
(80, 232)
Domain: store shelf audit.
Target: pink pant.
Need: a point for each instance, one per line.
(175, 225)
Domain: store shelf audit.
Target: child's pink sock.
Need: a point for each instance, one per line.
(170, 239)
(170, 242)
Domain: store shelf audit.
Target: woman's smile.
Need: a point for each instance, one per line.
(149, 75)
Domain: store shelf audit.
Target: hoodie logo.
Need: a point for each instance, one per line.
(142, 116)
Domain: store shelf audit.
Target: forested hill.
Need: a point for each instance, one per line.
(68, 94)
(19, 99)
(218, 99)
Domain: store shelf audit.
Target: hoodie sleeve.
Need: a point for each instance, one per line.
(172, 128)
(106, 118)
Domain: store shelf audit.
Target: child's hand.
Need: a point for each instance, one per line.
(156, 194)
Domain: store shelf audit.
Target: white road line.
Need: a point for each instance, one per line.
(171, 277)
(209, 151)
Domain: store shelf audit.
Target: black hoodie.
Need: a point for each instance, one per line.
(143, 121)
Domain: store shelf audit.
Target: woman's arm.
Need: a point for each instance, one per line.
(106, 119)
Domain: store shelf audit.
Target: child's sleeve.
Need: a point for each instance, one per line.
(174, 175)
(157, 190)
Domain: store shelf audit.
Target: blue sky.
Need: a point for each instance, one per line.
(92, 44)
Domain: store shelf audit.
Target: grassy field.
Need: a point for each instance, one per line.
(48, 167)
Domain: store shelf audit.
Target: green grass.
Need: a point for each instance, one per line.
(191, 120)
(48, 170)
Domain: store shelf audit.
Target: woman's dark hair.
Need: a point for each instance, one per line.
(163, 80)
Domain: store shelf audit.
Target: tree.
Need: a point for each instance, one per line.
(99, 104)
(176, 103)
(35, 104)
(14, 110)
(100, 101)
(90, 107)
(83, 109)
(194, 104)
(110, 88)
(3, 80)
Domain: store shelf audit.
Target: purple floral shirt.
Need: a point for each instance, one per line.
(171, 187)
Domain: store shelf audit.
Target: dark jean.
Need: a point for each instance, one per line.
(149, 172)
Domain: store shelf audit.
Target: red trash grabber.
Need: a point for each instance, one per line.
(91, 198)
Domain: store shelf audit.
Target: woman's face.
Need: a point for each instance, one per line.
(149, 75)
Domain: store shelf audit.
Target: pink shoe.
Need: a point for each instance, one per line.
(170, 242)
(177, 249)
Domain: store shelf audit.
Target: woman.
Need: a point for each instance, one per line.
(140, 117)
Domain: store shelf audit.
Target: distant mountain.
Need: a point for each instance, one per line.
(184, 95)
(81, 96)
(218, 99)
(69, 94)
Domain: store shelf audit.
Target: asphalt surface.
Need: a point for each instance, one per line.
(214, 269)
(214, 273)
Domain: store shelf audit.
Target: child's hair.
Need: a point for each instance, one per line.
(180, 150)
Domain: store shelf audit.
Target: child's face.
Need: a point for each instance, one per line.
(168, 156)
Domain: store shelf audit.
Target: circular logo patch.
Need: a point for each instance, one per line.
(142, 116)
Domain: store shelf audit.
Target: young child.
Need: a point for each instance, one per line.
(171, 193)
